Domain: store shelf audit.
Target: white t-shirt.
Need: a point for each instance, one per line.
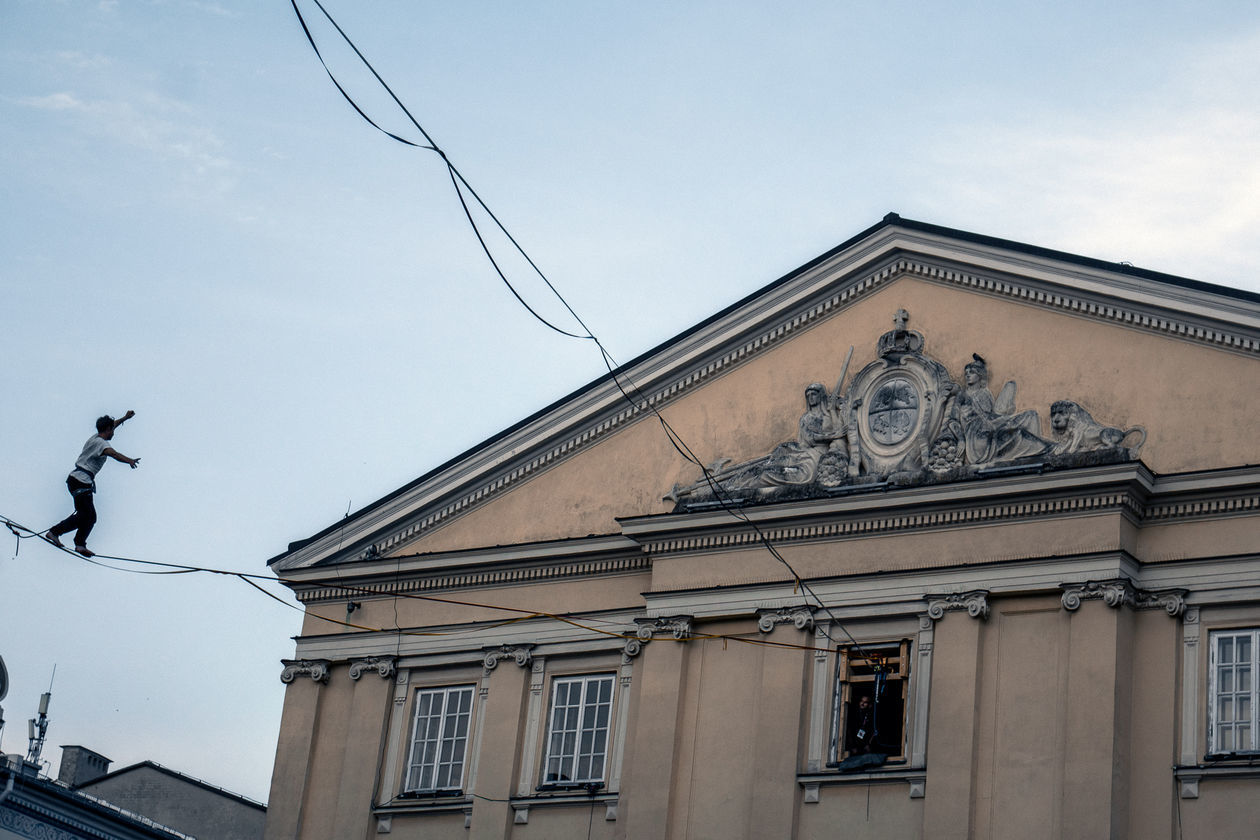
(91, 459)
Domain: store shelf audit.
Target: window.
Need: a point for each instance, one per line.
(577, 730)
(869, 707)
(1232, 691)
(439, 739)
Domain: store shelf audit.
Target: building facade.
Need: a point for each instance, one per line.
(1002, 579)
(34, 807)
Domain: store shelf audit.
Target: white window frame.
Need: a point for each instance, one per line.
(1226, 691)
(427, 753)
(558, 754)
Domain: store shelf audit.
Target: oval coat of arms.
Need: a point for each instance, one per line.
(893, 411)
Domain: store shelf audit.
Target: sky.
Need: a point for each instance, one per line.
(198, 227)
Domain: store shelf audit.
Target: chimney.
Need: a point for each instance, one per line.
(79, 765)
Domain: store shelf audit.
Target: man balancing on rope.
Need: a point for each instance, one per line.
(82, 482)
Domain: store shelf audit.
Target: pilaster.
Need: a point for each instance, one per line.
(501, 691)
(953, 715)
(365, 732)
(778, 724)
(651, 762)
(299, 729)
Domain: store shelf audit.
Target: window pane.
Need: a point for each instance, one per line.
(1225, 709)
(438, 739)
(578, 734)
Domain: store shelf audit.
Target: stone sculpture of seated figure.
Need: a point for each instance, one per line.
(822, 424)
(990, 429)
(790, 464)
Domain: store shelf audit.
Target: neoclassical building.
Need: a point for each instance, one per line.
(936, 536)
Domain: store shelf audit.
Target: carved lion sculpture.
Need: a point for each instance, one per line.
(1076, 431)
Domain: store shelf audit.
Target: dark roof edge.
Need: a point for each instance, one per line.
(595, 383)
(1064, 256)
(889, 220)
(184, 777)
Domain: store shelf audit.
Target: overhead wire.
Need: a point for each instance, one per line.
(609, 361)
(616, 374)
(524, 614)
(457, 177)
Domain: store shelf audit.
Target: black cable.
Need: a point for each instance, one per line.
(454, 171)
(456, 177)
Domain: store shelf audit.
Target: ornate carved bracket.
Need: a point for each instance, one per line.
(677, 626)
(802, 617)
(520, 653)
(316, 669)
(383, 665)
(1121, 592)
(976, 603)
(1171, 601)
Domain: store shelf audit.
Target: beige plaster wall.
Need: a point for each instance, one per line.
(569, 821)
(893, 552)
(864, 812)
(1191, 398)
(423, 827)
(478, 604)
(1153, 731)
(1226, 808)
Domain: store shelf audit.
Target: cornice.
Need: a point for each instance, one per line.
(761, 322)
(1092, 490)
(1127, 489)
(333, 587)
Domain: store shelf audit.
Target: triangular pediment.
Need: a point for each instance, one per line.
(1129, 348)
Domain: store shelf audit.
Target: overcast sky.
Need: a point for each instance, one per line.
(199, 228)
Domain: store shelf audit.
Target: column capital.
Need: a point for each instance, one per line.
(646, 629)
(316, 669)
(975, 602)
(520, 653)
(802, 617)
(383, 665)
(1120, 592)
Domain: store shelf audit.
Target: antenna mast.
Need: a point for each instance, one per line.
(37, 728)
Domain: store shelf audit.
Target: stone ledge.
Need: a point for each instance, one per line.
(914, 777)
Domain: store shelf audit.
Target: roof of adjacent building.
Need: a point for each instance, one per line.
(174, 774)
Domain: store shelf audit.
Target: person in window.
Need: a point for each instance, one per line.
(82, 482)
(860, 731)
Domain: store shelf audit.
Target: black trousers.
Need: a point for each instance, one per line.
(84, 516)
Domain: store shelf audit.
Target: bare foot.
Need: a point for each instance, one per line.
(83, 549)
(52, 538)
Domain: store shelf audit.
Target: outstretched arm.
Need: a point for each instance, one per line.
(118, 456)
(124, 418)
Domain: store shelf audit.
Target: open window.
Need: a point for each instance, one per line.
(869, 704)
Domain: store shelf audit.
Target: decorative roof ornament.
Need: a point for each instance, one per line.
(903, 420)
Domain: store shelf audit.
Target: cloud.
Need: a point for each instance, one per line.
(82, 61)
(53, 102)
(165, 129)
(1170, 182)
(212, 8)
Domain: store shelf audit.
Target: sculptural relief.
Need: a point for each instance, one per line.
(989, 428)
(1075, 431)
(905, 420)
